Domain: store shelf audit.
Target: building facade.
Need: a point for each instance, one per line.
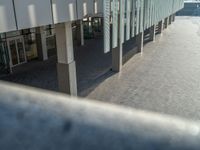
(31, 29)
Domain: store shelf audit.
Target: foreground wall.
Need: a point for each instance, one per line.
(35, 120)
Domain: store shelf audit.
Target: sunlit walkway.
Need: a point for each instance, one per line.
(165, 79)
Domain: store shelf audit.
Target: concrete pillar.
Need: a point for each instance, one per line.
(170, 19)
(173, 17)
(160, 27)
(153, 33)
(166, 23)
(140, 41)
(66, 66)
(80, 33)
(117, 58)
(41, 43)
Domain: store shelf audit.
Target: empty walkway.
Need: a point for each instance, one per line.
(165, 79)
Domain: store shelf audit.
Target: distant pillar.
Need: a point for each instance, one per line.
(173, 17)
(41, 43)
(140, 41)
(66, 66)
(170, 19)
(160, 27)
(80, 33)
(166, 23)
(153, 33)
(117, 58)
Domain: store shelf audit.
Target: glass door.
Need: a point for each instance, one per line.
(4, 59)
(21, 51)
(16, 51)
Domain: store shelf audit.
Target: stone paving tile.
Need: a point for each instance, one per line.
(165, 79)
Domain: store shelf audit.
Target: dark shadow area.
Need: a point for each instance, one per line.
(129, 49)
(92, 65)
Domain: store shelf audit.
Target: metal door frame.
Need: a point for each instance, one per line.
(10, 56)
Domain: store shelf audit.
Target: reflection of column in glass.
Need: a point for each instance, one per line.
(55, 12)
(71, 11)
(90, 24)
(95, 7)
(84, 9)
(32, 14)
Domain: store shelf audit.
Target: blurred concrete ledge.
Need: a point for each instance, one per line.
(32, 119)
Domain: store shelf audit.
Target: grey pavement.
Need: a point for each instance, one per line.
(165, 79)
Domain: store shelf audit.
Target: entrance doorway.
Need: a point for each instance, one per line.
(16, 51)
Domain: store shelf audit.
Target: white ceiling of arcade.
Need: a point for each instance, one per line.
(22, 14)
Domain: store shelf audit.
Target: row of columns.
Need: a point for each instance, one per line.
(41, 41)
(66, 65)
(117, 53)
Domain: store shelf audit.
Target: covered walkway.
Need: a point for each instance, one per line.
(166, 78)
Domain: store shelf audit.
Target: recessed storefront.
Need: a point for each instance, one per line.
(20, 47)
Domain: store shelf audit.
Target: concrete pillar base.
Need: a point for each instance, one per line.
(160, 27)
(117, 59)
(67, 78)
(153, 33)
(140, 42)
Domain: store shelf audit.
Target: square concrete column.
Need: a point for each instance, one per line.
(140, 41)
(41, 43)
(153, 33)
(117, 58)
(166, 23)
(80, 33)
(66, 67)
(160, 27)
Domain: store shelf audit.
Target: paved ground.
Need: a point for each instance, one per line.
(165, 79)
